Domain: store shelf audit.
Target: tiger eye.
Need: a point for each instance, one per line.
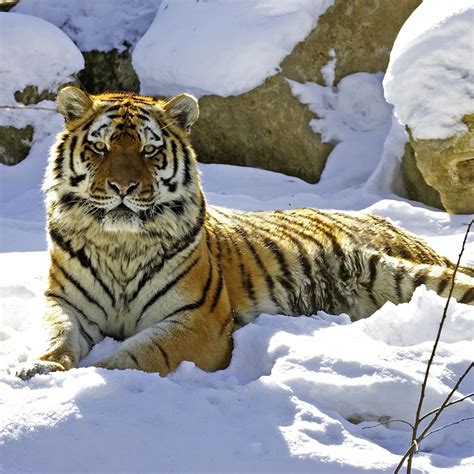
(100, 146)
(149, 149)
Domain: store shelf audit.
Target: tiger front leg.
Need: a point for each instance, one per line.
(204, 339)
(65, 341)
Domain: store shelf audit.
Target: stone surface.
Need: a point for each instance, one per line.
(31, 95)
(108, 71)
(268, 127)
(440, 173)
(15, 144)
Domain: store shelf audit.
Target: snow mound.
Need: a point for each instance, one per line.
(96, 25)
(430, 77)
(221, 47)
(34, 52)
(415, 322)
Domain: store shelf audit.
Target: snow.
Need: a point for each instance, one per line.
(96, 25)
(430, 77)
(301, 394)
(220, 47)
(45, 56)
(354, 117)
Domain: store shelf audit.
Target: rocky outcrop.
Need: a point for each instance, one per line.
(108, 71)
(440, 173)
(268, 127)
(15, 144)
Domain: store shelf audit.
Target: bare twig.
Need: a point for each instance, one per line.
(26, 107)
(448, 425)
(447, 405)
(387, 423)
(416, 439)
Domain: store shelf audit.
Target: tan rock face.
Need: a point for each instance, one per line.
(445, 166)
(268, 127)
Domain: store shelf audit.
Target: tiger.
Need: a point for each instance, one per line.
(136, 254)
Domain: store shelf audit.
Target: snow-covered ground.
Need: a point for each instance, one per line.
(300, 393)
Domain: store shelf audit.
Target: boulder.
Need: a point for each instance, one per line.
(440, 173)
(15, 144)
(108, 71)
(268, 127)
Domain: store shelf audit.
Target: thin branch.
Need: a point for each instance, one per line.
(387, 423)
(448, 425)
(447, 405)
(444, 404)
(415, 438)
(26, 107)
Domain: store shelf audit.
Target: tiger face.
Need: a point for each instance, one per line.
(123, 159)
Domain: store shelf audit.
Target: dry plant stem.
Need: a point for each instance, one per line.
(447, 405)
(415, 438)
(17, 107)
(449, 424)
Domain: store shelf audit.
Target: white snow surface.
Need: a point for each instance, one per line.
(299, 392)
(45, 56)
(96, 24)
(220, 47)
(430, 76)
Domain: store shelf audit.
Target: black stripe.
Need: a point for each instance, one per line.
(80, 254)
(50, 294)
(373, 261)
(75, 180)
(59, 160)
(143, 117)
(266, 275)
(445, 279)
(167, 287)
(468, 296)
(286, 281)
(163, 353)
(245, 276)
(185, 242)
(132, 356)
(187, 166)
(72, 150)
(197, 304)
(420, 277)
(398, 274)
(217, 294)
(79, 287)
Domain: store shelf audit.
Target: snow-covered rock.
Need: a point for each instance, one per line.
(34, 52)
(430, 77)
(221, 47)
(96, 25)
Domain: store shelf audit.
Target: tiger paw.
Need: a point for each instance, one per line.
(40, 367)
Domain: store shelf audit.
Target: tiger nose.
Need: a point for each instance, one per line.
(123, 189)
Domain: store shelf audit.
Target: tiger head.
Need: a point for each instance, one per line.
(124, 161)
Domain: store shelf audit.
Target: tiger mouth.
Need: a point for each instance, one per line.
(121, 211)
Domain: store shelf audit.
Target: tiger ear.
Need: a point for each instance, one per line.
(183, 109)
(73, 103)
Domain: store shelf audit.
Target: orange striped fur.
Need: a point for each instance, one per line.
(136, 254)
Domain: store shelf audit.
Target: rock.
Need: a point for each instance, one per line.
(31, 95)
(15, 144)
(108, 71)
(440, 173)
(268, 127)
